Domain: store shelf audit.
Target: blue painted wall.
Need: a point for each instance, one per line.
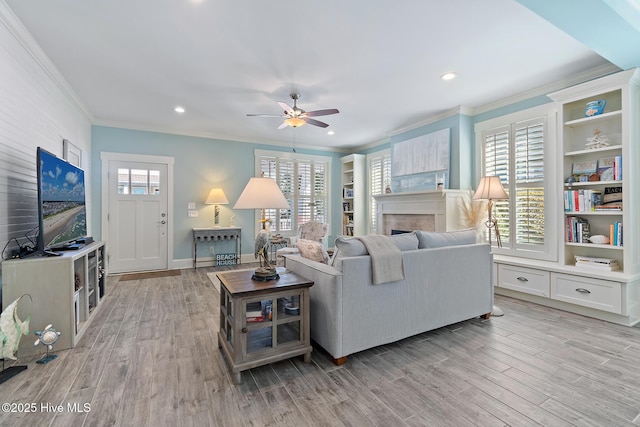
(203, 163)
(200, 164)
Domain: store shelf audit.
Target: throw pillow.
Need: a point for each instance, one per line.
(312, 250)
(406, 241)
(431, 239)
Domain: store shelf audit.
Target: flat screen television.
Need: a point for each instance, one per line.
(62, 205)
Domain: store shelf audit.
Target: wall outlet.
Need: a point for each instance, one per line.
(193, 214)
(191, 205)
(212, 250)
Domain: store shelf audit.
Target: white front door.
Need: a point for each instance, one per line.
(138, 216)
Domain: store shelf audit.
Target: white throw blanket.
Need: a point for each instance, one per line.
(386, 259)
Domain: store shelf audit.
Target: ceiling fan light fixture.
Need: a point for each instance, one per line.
(294, 122)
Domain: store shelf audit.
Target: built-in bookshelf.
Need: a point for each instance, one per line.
(353, 195)
(597, 272)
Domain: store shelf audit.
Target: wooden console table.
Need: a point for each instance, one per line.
(263, 322)
(215, 234)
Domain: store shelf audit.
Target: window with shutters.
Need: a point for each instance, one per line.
(379, 164)
(304, 182)
(517, 148)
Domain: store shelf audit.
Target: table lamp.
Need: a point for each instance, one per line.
(216, 198)
(490, 188)
(262, 193)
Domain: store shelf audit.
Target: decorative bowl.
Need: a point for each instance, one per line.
(599, 239)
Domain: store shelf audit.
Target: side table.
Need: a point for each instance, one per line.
(263, 322)
(215, 234)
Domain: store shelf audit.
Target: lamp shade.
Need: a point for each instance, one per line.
(294, 122)
(261, 193)
(216, 197)
(490, 188)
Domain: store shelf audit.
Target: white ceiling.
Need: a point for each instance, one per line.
(378, 61)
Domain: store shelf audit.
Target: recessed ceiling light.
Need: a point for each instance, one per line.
(330, 132)
(179, 109)
(448, 76)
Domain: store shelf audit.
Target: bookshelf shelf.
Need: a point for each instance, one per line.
(594, 150)
(593, 119)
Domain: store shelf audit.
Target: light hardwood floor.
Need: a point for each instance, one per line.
(150, 358)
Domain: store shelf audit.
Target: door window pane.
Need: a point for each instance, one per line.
(138, 181)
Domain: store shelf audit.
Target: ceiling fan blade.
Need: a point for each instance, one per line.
(283, 125)
(320, 112)
(286, 108)
(316, 123)
(266, 115)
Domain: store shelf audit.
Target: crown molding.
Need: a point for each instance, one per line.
(26, 40)
(278, 143)
(575, 79)
(432, 119)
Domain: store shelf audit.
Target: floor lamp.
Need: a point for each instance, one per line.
(490, 189)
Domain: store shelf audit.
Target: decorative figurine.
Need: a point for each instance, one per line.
(11, 330)
(597, 140)
(48, 336)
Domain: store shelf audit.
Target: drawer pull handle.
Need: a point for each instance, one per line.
(244, 330)
(522, 279)
(583, 290)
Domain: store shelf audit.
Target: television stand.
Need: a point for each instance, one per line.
(67, 291)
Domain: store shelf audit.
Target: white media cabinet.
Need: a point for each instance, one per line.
(66, 291)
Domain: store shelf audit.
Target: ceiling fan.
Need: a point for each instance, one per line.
(296, 117)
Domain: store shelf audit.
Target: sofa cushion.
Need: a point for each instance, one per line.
(312, 250)
(352, 246)
(431, 239)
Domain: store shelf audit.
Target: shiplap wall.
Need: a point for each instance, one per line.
(37, 108)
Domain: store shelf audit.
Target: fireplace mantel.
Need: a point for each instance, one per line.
(439, 208)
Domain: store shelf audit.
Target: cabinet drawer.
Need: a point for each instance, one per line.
(522, 279)
(598, 294)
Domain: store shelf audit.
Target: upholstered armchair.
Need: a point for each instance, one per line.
(311, 230)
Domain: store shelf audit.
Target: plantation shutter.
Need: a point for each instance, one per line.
(529, 182)
(320, 194)
(515, 153)
(304, 184)
(379, 178)
(496, 153)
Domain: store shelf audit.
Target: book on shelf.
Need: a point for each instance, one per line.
(615, 234)
(255, 316)
(598, 267)
(586, 167)
(595, 260)
(610, 168)
(605, 168)
(582, 200)
(612, 207)
(612, 198)
(577, 229)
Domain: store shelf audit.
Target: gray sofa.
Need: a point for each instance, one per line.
(442, 285)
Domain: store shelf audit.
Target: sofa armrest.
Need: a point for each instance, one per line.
(326, 296)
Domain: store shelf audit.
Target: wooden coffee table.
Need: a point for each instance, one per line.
(263, 322)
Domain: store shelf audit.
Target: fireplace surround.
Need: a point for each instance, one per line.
(435, 210)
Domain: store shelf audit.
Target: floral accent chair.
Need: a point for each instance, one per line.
(312, 230)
